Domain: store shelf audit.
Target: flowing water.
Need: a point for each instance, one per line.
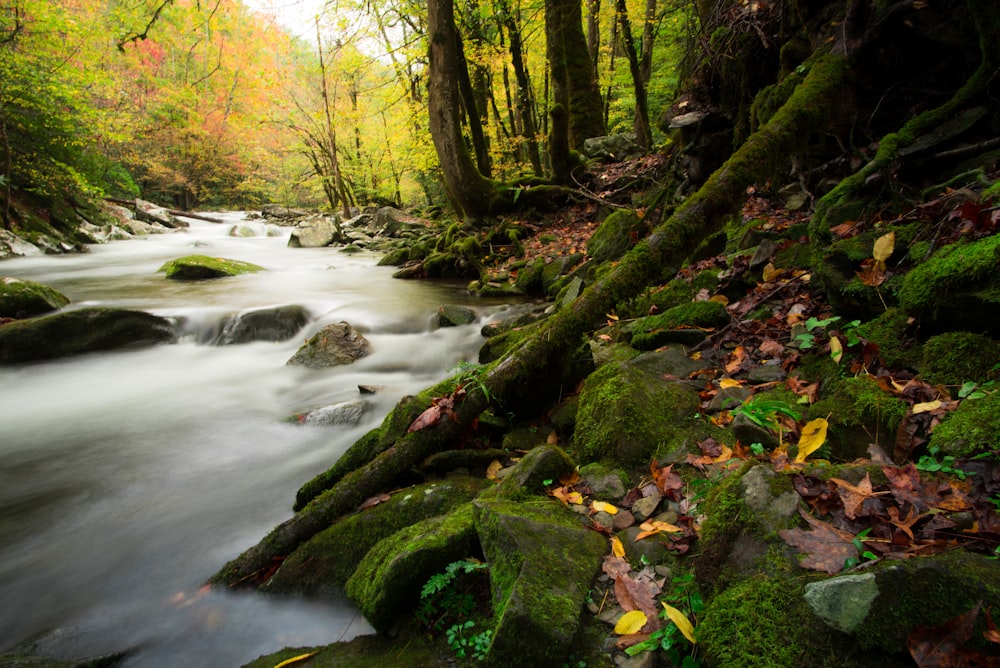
(128, 478)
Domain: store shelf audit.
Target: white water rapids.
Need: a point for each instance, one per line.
(128, 478)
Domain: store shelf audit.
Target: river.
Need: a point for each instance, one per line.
(128, 478)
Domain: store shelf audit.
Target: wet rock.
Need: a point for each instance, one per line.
(452, 315)
(314, 232)
(843, 602)
(23, 299)
(545, 462)
(148, 212)
(269, 324)
(334, 345)
(345, 413)
(81, 331)
(13, 246)
(280, 212)
(199, 267)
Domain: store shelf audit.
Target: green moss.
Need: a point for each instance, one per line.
(973, 428)
(953, 358)
(892, 332)
(958, 267)
(616, 235)
(764, 622)
(650, 332)
(658, 299)
(197, 267)
(23, 299)
(627, 415)
(770, 99)
(859, 412)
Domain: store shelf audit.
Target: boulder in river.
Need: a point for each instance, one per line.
(335, 344)
(12, 245)
(148, 212)
(279, 323)
(314, 232)
(453, 315)
(345, 413)
(23, 299)
(81, 331)
(197, 267)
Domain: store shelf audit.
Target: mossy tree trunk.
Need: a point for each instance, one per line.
(573, 83)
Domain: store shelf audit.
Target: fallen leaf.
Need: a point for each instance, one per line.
(295, 659)
(836, 349)
(684, 624)
(884, 246)
(771, 274)
(854, 496)
(631, 622)
(926, 406)
(825, 546)
(552, 439)
(493, 468)
(617, 548)
(428, 418)
(648, 529)
(943, 646)
(991, 633)
(813, 436)
(728, 382)
(602, 506)
(374, 501)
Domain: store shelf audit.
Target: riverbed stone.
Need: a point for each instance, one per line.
(343, 413)
(336, 344)
(12, 245)
(314, 232)
(279, 323)
(148, 212)
(453, 315)
(199, 267)
(81, 331)
(540, 464)
(23, 299)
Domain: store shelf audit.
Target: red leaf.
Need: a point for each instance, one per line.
(428, 418)
(944, 646)
(826, 547)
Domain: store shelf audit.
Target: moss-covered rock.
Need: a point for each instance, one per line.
(859, 412)
(23, 299)
(626, 415)
(957, 288)
(658, 299)
(954, 358)
(542, 562)
(543, 463)
(654, 331)
(387, 583)
(973, 428)
(616, 235)
(267, 324)
(323, 564)
(81, 331)
(198, 267)
(894, 334)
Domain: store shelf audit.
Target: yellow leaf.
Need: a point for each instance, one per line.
(553, 438)
(884, 246)
(612, 316)
(682, 622)
(493, 468)
(295, 659)
(813, 436)
(631, 622)
(652, 528)
(927, 406)
(770, 273)
(836, 349)
(722, 299)
(575, 498)
(728, 382)
(617, 548)
(598, 506)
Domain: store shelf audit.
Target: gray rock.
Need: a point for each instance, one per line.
(644, 508)
(612, 148)
(766, 373)
(775, 511)
(269, 324)
(452, 315)
(346, 413)
(314, 232)
(12, 245)
(335, 344)
(843, 602)
(603, 483)
(148, 212)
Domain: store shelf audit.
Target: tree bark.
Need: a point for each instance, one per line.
(573, 83)
(643, 134)
(473, 194)
(525, 100)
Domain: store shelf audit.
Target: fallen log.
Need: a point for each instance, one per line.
(173, 212)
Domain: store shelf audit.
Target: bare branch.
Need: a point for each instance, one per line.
(145, 33)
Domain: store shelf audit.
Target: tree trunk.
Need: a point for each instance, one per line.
(474, 108)
(473, 194)
(546, 351)
(643, 134)
(573, 83)
(525, 100)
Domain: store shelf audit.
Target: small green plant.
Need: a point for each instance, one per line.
(463, 643)
(441, 601)
(766, 413)
(973, 390)
(669, 639)
(573, 663)
(933, 463)
(469, 376)
(859, 545)
(807, 339)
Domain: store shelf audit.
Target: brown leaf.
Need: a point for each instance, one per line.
(854, 497)
(428, 418)
(668, 482)
(825, 546)
(374, 501)
(943, 646)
